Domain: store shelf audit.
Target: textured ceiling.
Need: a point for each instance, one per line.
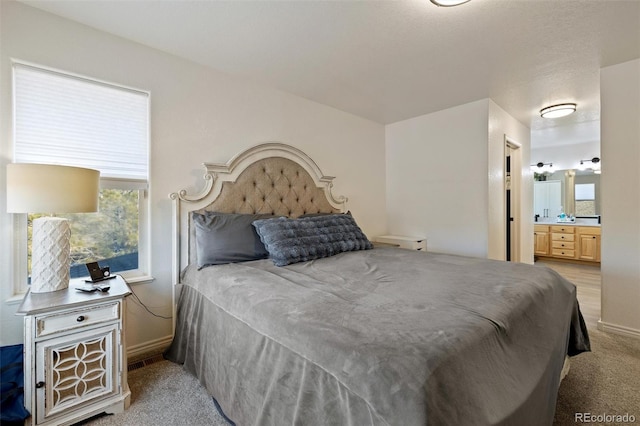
(392, 60)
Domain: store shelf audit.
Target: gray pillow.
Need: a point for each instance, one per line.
(299, 240)
(227, 238)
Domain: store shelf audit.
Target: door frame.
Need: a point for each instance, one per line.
(515, 149)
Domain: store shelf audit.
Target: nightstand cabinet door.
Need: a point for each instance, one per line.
(76, 370)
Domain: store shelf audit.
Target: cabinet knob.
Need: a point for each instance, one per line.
(39, 385)
(593, 238)
(80, 318)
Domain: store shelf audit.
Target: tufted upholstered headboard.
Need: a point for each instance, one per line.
(269, 178)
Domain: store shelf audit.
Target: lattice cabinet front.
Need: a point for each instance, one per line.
(75, 354)
(75, 371)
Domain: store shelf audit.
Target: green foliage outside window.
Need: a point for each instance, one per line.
(111, 232)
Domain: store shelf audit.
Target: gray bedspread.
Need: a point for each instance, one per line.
(379, 337)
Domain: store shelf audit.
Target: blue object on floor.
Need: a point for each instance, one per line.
(12, 410)
(219, 408)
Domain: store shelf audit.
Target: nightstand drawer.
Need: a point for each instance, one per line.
(69, 320)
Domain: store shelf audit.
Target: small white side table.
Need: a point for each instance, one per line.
(75, 358)
(410, 243)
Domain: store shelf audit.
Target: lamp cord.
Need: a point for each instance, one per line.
(139, 302)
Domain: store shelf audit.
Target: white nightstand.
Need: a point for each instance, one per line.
(75, 359)
(410, 243)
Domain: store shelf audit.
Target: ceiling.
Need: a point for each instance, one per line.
(392, 60)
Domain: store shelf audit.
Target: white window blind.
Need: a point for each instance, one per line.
(74, 121)
(585, 191)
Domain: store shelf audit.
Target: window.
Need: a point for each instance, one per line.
(585, 195)
(585, 191)
(71, 120)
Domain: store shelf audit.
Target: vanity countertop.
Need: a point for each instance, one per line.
(578, 222)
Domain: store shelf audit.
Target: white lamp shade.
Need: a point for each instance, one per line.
(45, 188)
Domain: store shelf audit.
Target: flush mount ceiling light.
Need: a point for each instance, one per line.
(448, 3)
(556, 111)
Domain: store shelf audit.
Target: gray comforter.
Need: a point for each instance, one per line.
(379, 337)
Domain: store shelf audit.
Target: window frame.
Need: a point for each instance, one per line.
(19, 273)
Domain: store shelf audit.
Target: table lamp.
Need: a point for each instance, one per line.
(45, 188)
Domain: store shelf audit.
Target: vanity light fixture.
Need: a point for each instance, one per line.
(595, 165)
(448, 3)
(556, 111)
(543, 167)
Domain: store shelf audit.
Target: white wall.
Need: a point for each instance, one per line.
(620, 183)
(445, 180)
(437, 179)
(565, 157)
(197, 115)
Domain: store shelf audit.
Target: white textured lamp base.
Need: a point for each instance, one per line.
(50, 254)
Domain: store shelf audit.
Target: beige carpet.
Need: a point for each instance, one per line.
(163, 394)
(605, 381)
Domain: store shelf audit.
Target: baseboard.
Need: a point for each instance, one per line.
(618, 329)
(149, 348)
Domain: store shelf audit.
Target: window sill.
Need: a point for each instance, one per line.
(16, 299)
(138, 279)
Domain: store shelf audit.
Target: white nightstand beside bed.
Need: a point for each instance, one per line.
(405, 242)
(75, 358)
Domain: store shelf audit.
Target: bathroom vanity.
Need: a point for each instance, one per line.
(568, 241)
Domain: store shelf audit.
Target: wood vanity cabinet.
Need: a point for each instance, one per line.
(581, 243)
(589, 241)
(563, 241)
(541, 240)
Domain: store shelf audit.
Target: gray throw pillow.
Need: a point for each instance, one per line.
(227, 238)
(299, 240)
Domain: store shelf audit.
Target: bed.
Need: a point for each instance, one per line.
(356, 335)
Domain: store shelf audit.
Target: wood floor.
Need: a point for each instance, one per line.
(587, 280)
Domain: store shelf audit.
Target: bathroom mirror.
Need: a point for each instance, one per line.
(576, 191)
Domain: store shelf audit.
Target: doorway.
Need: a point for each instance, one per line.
(512, 179)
